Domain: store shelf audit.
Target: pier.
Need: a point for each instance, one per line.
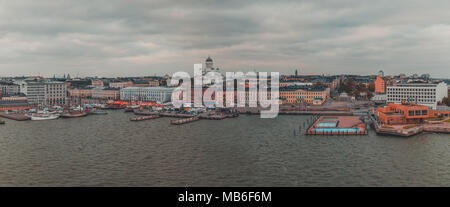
(142, 118)
(145, 113)
(15, 116)
(162, 114)
(329, 113)
(337, 125)
(184, 121)
(176, 115)
(217, 116)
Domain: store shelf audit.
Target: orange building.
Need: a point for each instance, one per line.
(407, 113)
(380, 85)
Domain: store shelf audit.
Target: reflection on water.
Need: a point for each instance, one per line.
(246, 151)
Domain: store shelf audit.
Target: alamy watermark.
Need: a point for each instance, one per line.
(251, 90)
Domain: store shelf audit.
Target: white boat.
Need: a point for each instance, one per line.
(41, 117)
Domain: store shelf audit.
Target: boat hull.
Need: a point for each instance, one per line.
(39, 118)
(75, 115)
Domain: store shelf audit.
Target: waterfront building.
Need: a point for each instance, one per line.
(20, 97)
(22, 85)
(106, 93)
(428, 94)
(159, 94)
(9, 88)
(80, 93)
(55, 93)
(380, 85)
(36, 93)
(48, 93)
(13, 105)
(408, 113)
(303, 94)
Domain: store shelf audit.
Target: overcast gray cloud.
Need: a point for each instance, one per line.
(137, 37)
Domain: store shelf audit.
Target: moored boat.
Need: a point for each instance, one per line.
(98, 112)
(74, 114)
(42, 117)
(142, 118)
(2, 122)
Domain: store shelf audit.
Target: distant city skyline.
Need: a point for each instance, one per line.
(145, 38)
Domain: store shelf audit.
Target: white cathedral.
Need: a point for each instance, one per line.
(209, 66)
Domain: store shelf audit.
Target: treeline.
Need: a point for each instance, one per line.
(446, 100)
(359, 90)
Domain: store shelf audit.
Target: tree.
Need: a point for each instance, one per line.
(446, 100)
(372, 87)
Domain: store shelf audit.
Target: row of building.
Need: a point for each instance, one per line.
(419, 92)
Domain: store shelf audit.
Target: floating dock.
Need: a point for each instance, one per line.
(184, 121)
(328, 113)
(15, 116)
(176, 115)
(145, 113)
(337, 125)
(142, 118)
(217, 116)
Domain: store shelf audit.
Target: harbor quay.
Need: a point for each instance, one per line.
(326, 120)
(355, 104)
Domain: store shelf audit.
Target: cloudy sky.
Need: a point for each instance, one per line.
(136, 37)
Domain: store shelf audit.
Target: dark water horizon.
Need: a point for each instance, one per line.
(110, 150)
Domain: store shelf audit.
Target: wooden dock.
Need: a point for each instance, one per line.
(142, 118)
(15, 116)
